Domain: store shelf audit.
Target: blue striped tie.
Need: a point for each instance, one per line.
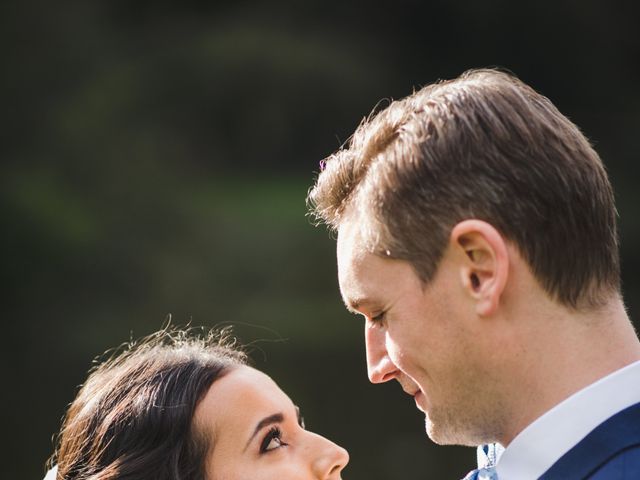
(487, 473)
(487, 458)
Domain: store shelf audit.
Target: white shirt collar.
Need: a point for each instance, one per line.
(543, 442)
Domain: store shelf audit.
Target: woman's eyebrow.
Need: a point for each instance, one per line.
(271, 419)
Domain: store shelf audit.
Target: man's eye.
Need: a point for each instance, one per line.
(272, 440)
(378, 318)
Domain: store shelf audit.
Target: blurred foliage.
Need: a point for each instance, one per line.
(156, 158)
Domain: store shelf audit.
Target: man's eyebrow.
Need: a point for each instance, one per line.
(354, 304)
(271, 419)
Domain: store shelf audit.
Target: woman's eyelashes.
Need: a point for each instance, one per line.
(272, 440)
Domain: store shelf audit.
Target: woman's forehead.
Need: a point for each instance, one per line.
(238, 400)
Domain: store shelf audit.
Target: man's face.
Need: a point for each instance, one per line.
(425, 337)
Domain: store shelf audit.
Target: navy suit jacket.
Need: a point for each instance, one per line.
(610, 452)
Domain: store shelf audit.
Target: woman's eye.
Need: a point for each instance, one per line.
(272, 440)
(378, 318)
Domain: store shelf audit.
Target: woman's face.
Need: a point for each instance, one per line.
(255, 432)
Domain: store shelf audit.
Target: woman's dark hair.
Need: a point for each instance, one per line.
(133, 417)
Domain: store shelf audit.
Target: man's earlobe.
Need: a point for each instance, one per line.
(484, 267)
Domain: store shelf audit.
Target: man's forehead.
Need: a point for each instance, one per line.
(350, 247)
(358, 268)
(355, 233)
(363, 275)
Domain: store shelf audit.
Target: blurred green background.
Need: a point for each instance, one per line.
(156, 159)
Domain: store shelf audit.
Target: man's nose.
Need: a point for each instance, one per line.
(380, 368)
(330, 459)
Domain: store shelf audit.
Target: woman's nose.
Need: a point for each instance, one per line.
(330, 459)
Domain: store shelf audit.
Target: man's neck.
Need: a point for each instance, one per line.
(561, 352)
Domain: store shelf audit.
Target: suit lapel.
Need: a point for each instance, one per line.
(605, 441)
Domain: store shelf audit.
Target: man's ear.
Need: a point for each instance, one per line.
(485, 266)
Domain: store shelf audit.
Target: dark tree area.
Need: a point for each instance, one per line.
(156, 159)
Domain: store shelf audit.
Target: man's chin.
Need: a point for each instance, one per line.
(449, 432)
